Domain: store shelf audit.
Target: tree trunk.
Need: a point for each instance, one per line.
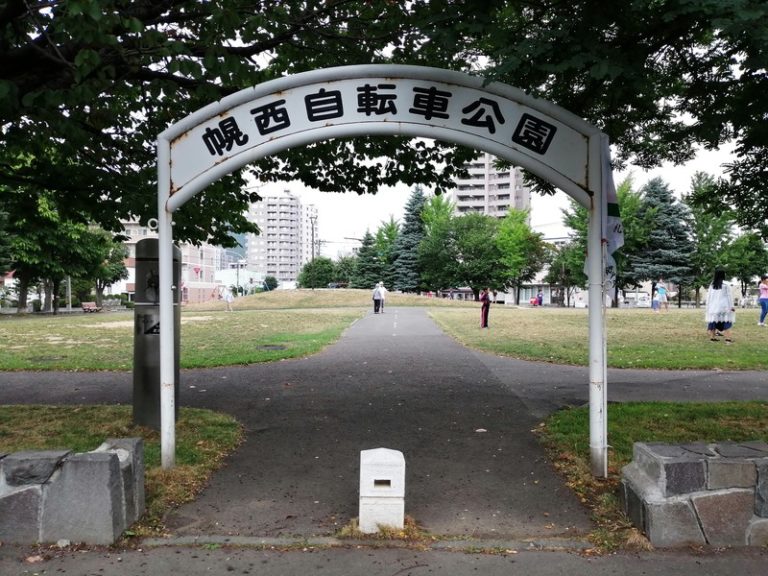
(48, 299)
(99, 295)
(23, 293)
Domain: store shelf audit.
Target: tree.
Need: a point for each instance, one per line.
(318, 273)
(746, 259)
(667, 249)
(475, 252)
(711, 234)
(270, 283)
(406, 251)
(522, 251)
(87, 85)
(566, 270)
(5, 244)
(386, 236)
(436, 260)
(657, 77)
(110, 262)
(369, 268)
(344, 269)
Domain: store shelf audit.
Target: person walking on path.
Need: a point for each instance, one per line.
(485, 307)
(383, 292)
(720, 313)
(763, 299)
(376, 299)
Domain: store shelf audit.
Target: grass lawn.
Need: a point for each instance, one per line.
(105, 341)
(637, 338)
(203, 439)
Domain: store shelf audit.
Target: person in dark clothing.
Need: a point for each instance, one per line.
(485, 307)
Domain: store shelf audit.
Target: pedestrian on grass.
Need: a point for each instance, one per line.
(720, 313)
(763, 299)
(485, 307)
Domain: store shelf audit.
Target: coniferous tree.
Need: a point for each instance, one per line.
(406, 253)
(368, 270)
(386, 236)
(666, 253)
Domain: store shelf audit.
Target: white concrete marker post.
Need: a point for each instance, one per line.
(385, 100)
(382, 490)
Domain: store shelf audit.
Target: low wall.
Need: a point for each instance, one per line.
(89, 497)
(715, 494)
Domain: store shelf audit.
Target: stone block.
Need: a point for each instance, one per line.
(130, 452)
(761, 488)
(20, 514)
(757, 532)
(684, 476)
(740, 449)
(25, 468)
(675, 469)
(758, 445)
(727, 473)
(632, 504)
(700, 449)
(85, 502)
(724, 515)
(672, 522)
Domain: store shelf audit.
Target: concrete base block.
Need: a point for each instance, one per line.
(130, 452)
(90, 484)
(672, 523)
(757, 532)
(375, 512)
(24, 468)
(723, 474)
(724, 515)
(19, 513)
(761, 489)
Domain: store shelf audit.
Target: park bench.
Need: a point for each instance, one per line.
(90, 307)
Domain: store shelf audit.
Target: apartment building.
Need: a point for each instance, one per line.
(288, 240)
(489, 190)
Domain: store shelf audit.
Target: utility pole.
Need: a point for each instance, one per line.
(313, 219)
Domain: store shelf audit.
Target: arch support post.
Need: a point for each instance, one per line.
(598, 392)
(167, 326)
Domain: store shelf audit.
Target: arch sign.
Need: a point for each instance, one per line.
(399, 100)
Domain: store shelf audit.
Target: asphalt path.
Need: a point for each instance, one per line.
(463, 419)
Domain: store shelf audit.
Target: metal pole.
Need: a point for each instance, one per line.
(165, 266)
(598, 418)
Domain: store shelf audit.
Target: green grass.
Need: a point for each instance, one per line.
(566, 437)
(105, 341)
(203, 439)
(674, 340)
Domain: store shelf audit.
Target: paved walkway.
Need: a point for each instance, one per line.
(463, 420)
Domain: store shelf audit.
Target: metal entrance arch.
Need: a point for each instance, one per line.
(400, 100)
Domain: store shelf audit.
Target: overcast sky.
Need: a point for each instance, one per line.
(344, 216)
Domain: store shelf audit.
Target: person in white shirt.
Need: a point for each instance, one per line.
(383, 293)
(720, 314)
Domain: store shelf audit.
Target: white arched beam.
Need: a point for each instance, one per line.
(368, 100)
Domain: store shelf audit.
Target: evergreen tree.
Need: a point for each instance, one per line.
(386, 236)
(666, 252)
(369, 268)
(406, 255)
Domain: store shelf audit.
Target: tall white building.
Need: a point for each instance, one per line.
(491, 191)
(288, 239)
